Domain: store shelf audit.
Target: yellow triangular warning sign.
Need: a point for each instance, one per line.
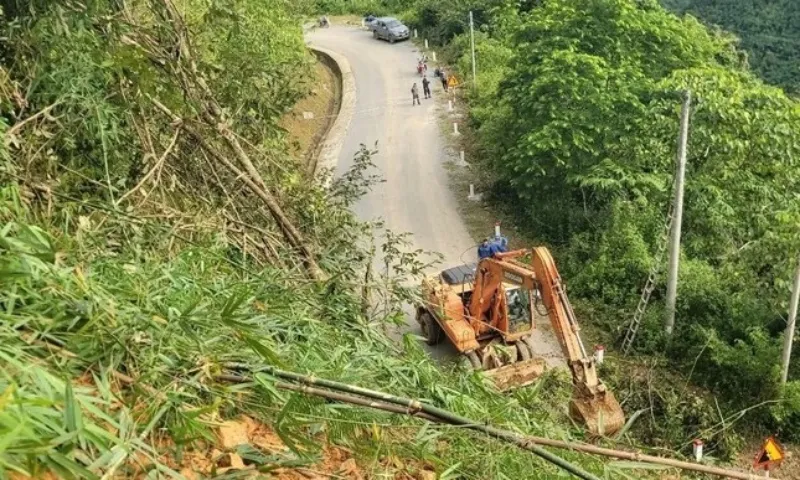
(771, 452)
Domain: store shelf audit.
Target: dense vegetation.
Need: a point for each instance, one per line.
(576, 114)
(769, 31)
(155, 231)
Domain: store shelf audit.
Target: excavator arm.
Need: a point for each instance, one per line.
(591, 402)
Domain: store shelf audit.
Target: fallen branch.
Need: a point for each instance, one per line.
(257, 186)
(527, 442)
(341, 397)
(158, 165)
(18, 126)
(413, 408)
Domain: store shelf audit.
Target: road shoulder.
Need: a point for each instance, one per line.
(331, 146)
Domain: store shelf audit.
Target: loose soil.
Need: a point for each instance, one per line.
(334, 461)
(306, 134)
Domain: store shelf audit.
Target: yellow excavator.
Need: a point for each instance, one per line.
(487, 311)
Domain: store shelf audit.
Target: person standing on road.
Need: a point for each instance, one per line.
(444, 80)
(415, 95)
(426, 86)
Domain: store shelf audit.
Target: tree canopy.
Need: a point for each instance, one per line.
(769, 31)
(576, 114)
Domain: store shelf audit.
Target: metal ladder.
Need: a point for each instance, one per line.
(650, 285)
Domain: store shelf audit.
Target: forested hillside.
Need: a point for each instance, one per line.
(160, 246)
(575, 114)
(769, 31)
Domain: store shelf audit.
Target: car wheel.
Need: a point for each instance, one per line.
(391, 39)
(430, 328)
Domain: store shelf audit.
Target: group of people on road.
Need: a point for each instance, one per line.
(422, 68)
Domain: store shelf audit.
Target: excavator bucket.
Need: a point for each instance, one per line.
(601, 414)
(516, 375)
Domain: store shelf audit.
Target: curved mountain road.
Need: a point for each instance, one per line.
(415, 196)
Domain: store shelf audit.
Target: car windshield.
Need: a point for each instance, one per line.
(393, 23)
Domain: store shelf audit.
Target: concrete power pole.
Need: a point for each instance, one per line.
(788, 337)
(675, 233)
(472, 44)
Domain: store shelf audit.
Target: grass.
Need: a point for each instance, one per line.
(76, 313)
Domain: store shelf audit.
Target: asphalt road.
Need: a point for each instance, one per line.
(411, 156)
(416, 196)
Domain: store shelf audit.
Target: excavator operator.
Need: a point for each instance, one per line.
(519, 313)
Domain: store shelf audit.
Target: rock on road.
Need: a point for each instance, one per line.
(416, 195)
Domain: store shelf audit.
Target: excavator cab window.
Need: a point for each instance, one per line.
(518, 302)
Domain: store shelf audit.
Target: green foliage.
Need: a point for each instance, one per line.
(361, 7)
(666, 410)
(174, 324)
(441, 21)
(787, 412)
(135, 267)
(576, 116)
(603, 266)
(258, 64)
(768, 31)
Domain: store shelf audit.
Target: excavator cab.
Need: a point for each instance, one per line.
(519, 307)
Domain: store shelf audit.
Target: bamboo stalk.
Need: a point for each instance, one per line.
(526, 442)
(641, 457)
(340, 397)
(418, 409)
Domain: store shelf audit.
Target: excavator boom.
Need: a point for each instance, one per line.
(592, 403)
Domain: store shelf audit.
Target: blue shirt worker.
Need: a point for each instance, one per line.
(488, 248)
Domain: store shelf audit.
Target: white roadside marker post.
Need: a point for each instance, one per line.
(697, 449)
(599, 354)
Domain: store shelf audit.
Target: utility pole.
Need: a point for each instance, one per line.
(675, 234)
(472, 43)
(788, 337)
